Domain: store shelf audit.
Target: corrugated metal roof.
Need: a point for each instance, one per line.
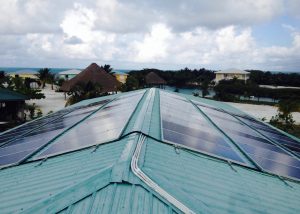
(23, 186)
(100, 179)
(220, 188)
(120, 198)
(8, 95)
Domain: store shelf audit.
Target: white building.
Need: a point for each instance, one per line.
(232, 73)
(68, 74)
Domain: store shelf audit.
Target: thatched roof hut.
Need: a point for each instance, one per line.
(152, 79)
(95, 74)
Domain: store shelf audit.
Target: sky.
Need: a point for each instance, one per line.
(167, 34)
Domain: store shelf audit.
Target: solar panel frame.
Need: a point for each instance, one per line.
(238, 160)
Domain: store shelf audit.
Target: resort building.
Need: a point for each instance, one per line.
(121, 76)
(25, 74)
(12, 106)
(153, 80)
(231, 74)
(149, 151)
(94, 74)
(68, 74)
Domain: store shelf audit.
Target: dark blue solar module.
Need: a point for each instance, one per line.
(103, 126)
(183, 124)
(22, 146)
(267, 155)
(273, 134)
(24, 129)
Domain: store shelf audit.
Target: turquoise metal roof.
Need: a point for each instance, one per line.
(8, 95)
(101, 179)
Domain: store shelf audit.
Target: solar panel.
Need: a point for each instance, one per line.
(183, 124)
(103, 126)
(22, 146)
(274, 135)
(267, 155)
(22, 130)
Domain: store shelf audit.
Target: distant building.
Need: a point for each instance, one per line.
(68, 74)
(232, 73)
(153, 80)
(11, 105)
(121, 76)
(25, 74)
(95, 74)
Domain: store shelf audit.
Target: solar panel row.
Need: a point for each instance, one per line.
(103, 126)
(267, 155)
(22, 130)
(274, 135)
(25, 144)
(183, 124)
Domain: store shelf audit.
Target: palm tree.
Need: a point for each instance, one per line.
(82, 91)
(107, 68)
(4, 79)
(51, 79)
(43, 75)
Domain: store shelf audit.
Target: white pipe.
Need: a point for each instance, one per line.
(139, 173)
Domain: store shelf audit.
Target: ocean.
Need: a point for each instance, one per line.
(53, 70)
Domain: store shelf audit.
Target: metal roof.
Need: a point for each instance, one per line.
(232, 71)
(8, 95)
(138, 172)
(70, 72)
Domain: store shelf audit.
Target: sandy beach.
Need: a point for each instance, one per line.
(262, 111)
(54, 101)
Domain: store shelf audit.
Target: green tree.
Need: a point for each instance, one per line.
(43, 75)
(18, 84)
(82, 91)
(204, 85)
(51, 79)
(284, 118)
(4, 78)
(131, 84)
(107, 68)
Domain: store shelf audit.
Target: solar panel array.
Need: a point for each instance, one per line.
(262, 151)
(22, 130)
(103, 126)
(183, 124)
(196, 126)
(27, 142)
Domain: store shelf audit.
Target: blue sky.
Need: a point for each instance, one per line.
(134, 34)
(277, 31)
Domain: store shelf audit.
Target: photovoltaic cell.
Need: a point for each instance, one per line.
(267, 155)
(183, 124)
(105, 125)
(273, 134)
(22, 130)
(22, 146)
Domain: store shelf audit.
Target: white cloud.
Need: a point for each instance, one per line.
(154, 46)
(215, 34)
